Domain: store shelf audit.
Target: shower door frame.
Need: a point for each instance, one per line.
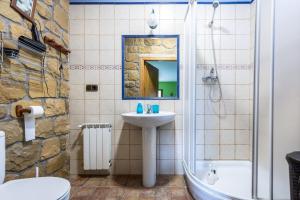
(255, 105)
(256, 108)
(189, 106)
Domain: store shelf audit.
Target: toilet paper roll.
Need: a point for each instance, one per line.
(29, 120)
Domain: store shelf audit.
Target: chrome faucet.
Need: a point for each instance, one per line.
(148, 109)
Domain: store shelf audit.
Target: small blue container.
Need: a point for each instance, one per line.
(139, 108)
(155, 108)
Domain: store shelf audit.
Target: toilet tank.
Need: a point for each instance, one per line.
(2, 156)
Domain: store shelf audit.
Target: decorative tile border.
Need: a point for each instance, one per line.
(225, 67)
(95, 67)
(198, 67)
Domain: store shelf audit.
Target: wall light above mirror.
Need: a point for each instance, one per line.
(150, 67)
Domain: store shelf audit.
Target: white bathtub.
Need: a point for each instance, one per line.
(234, 180)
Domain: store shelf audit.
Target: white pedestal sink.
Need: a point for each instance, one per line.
(149, 122)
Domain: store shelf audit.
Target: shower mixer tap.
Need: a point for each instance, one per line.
(212, 78)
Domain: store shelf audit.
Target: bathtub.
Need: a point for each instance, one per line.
(234, 180)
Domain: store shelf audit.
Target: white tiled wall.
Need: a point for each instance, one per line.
(96, 41)
(224, 128)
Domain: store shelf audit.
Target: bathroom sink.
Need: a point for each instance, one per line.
(149, 122)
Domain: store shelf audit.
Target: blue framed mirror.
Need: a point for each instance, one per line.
(150, 67)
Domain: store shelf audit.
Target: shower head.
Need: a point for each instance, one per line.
(215, 4)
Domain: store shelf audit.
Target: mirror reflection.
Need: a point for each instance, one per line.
(150, 67)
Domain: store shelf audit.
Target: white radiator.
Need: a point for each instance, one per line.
(96, 146)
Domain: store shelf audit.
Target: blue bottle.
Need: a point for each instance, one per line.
(155, 108)
(139, 108)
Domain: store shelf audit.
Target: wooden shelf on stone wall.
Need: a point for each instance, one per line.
(55, 45)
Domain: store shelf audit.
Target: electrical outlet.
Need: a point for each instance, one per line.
(91, 88)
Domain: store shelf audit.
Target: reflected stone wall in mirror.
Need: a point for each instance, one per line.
(150, 66)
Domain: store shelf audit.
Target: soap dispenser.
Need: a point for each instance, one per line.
(139, 108)
(212, 176)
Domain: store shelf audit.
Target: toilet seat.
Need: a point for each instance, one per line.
(46, 188)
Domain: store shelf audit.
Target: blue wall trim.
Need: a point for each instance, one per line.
(177, 37)
(156, 1)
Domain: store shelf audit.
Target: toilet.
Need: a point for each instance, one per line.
(46, 188)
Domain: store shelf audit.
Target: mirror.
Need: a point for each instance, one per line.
(150, 66)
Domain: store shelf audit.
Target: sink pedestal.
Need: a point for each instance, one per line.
(149, 156)
(149, 122)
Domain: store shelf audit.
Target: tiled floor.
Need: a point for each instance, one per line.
(128, 188)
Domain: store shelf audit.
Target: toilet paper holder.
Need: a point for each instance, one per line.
(20, 110)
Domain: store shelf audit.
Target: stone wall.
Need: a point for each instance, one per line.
(136, 47)
(22, 82)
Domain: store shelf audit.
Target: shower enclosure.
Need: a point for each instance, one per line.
(218, 105)
(229, 100)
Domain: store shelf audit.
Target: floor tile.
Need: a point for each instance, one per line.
(128, 188)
